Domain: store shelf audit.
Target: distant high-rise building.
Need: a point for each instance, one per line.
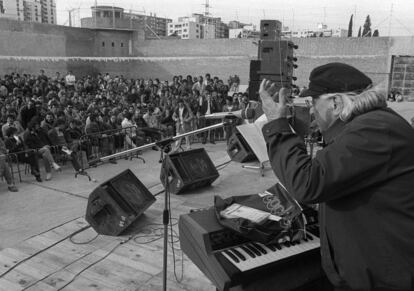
(48, 11)
(221, 29)
(154, 26)
(32, 11)
(29, 10)
(13, 9)
(186, 28)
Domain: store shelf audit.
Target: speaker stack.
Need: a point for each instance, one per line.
(276, 60)
(254, 80)
(117, 203)
(270, 29)
(188, 170)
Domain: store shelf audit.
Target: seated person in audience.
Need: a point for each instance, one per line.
(100, 136)
(15, 145)
(152, 119)
(73, 135)
(12, 122)
(57, 138)
(115, 126)
(167, 122)
(27, 112)
(5, 168)
(131, 134)
(36, 138)
(47, 123)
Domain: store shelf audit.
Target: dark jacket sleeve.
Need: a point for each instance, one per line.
(351, 163)
(54, 140)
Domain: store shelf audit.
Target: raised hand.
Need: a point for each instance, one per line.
(268, 93)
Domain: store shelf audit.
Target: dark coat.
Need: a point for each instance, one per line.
(364, 180)
(36, 140)
(204, 106)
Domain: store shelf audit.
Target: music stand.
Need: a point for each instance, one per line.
(254, 137)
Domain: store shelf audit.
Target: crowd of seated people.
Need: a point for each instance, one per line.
(49, 114)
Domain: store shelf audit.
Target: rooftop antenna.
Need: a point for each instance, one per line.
(207, 8)
(389, 24)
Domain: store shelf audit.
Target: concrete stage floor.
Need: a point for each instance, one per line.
(36, 221)
(44, 214)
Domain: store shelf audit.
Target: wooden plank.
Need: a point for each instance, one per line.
(6, 285)
(140, 265)
(41, 286)
(122, 274)
(86, 284)
(19, 278)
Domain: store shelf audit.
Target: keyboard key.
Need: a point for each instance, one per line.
(253, 249)
(238, 254)
(248, 251)
(231, 255)
(257, 246)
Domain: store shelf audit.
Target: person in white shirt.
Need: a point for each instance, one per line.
(70, 80)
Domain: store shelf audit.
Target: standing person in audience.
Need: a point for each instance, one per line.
(5, 168)
(206, 107)
(70, 81)
(15, 145)
(182, 117)
(363, 179)
(230, 107)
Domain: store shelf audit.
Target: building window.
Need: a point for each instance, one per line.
(185, 30)
(196, 30)
(103, 44)
(113, 44)
(122, 44)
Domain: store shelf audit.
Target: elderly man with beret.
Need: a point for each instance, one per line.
(363, 179)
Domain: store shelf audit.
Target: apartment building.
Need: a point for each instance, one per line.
(29, 10)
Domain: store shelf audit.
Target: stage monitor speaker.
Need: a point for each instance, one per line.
(254, 70)
(117, 203)
(270, 29)
(188, 170)
(239, 150)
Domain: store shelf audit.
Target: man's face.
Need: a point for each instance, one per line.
(10, 120)
(323, 111)
(49, 118)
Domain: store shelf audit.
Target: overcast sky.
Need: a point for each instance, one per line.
(396, 17)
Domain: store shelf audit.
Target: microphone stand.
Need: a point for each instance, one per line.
(165, 147)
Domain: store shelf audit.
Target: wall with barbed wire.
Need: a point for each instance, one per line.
(29, 47)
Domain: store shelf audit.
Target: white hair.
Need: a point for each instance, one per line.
(355, 104)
